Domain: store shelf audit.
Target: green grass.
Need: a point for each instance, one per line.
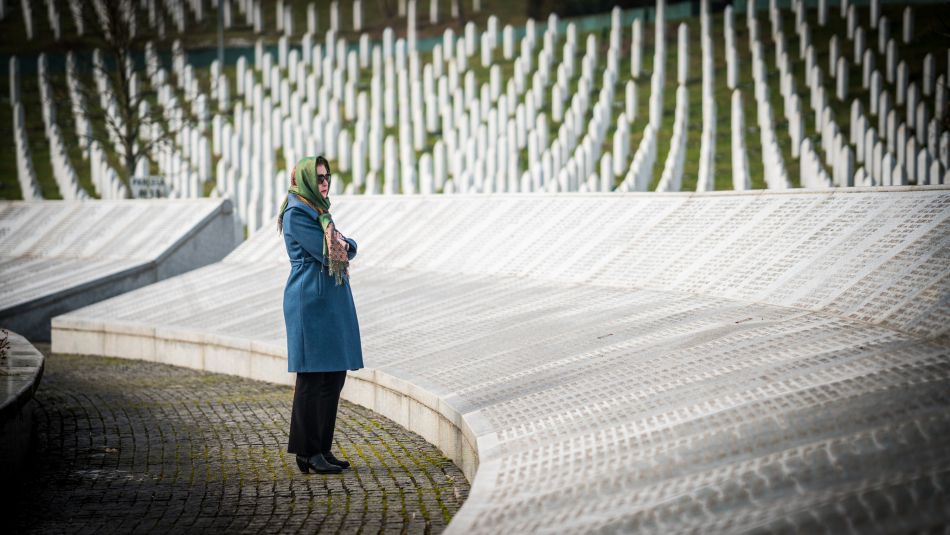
(67, 128)
(36, 134)
(9, 185)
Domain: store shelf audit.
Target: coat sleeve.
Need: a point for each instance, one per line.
(306, 231)
(352, 251)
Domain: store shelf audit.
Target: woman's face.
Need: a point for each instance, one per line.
(324, 186)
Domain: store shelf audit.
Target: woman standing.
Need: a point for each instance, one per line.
(323, 334)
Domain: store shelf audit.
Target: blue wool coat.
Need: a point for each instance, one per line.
(323, 333)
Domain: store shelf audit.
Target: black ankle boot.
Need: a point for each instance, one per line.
(319, 464)
(333, 460)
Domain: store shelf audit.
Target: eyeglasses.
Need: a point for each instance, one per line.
(323, 178)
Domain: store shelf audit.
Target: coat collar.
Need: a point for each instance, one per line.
(294, 201)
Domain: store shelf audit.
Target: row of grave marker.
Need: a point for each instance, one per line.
(461, 113)
(180, 11)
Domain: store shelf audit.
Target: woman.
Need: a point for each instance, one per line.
(323, 335)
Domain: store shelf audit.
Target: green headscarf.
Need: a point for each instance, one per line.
(304, 184)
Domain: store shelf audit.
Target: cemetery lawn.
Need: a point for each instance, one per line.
(9, 185)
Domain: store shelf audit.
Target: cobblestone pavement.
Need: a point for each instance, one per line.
(129, 446)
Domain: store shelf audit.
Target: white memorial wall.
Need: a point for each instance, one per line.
(664, 362)
(56, 256)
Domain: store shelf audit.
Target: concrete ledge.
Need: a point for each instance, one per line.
(699, 360)
(20, 372)
(206, 235)
(410, 405)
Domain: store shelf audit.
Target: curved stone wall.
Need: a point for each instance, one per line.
(21, 368)
(57, 256)
(667, 362)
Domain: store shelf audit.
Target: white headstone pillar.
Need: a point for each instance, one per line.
(390, 166)
(841, 79)
(910, 159)
(943, 150)
(312, 18)
(636, 48)
(868, 67)
(940, 97)
(923, 168)
(890, 61)
(852, 21)
(908, 26)
(933, 137)
(859, 46)
(258, 17)
(928, 75)
(14, 81)
(508, 42)
(900, 83)
(682, 65)
(883, 34)
(834, 52)
(921, 122)
(630, 93)
(875, 87)
(913, 97)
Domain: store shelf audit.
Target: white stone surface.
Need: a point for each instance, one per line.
(688, 342)
(56, 256)
(21, 368)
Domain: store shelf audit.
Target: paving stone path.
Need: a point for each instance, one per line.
(128, 446)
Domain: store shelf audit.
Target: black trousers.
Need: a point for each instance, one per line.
(313, 417)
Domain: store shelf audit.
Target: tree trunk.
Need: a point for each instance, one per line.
(388, 8)
(460, 9)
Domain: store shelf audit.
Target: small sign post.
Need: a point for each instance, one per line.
(149, 187)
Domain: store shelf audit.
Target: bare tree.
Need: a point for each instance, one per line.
(120, 101)
(459, 7)
(388, 7)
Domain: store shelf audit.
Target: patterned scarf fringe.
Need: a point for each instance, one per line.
(338, 259)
